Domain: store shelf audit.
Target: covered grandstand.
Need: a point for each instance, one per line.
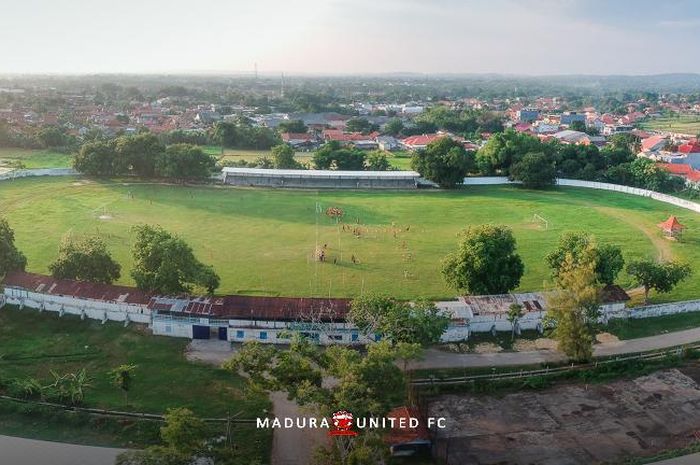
(258, 177)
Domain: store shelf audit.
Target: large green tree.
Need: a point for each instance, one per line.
(421, 322)
(138, 154)
(11, 259)
(283, 157)
(85, 259)
(662, 277)
(582, 247)
(334, 156)
(377, 161)
(573, 308)
(504, 149)
(534, 171)
(96, 158)
(485, 261)
(444, 161)
(166, 264)
(185, 162)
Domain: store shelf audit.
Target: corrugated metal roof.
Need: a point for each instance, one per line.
(321, 173)
(80, 289)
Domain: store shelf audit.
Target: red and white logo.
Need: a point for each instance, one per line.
(343, 422)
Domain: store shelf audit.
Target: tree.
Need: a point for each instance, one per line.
(165, 263)
(183, 435)
(11, 259)
(582, 247)
(333, 156)
(137, 154)
(296, 126)
(421, 323)
(359, 125)
(377, 161)
(504, 149)
(534, 171)
(225, 135)
(393, 127)
(444, 161)
(123, 378)
(283, 157)
(662, 277)
(578, 126)
(485, 261)
(515, 312)
(96, 158)
(183, 431)
(573, 308)
(85, 259)
(185, 161)
(51, 137)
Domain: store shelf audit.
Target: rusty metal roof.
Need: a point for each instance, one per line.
(80, 289)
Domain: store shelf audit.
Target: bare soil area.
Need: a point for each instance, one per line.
(572, 424)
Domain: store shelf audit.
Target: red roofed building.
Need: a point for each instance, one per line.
(653, 143)
(420, 142)
(692, 146)
(683, 170)
(403, 439)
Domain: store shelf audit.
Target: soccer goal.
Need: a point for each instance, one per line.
(541, 220)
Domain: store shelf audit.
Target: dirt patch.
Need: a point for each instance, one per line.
(105, 217)
(570, 424)
(529, 345)
(212, 352)
(607, 338)
(487, 348)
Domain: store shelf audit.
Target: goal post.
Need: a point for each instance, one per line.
(536, 218)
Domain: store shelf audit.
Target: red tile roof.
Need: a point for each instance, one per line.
(690, 147)
(676, 168)
(421, 140)
(651, 142)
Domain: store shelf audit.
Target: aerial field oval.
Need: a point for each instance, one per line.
(264, 241)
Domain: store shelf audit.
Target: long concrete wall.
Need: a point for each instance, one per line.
(687, 204)
(38, 172)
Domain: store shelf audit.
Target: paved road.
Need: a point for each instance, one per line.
(438, 359)
(692, 459)
(19, 451)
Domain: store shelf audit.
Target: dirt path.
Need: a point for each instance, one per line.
(662, 246)
(435, 359)
(289, 446)
(293, 446)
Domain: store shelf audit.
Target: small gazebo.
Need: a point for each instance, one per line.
(671, 227)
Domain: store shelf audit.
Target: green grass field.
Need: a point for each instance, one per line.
(32, 343)
(685, 124)
(34, 158)
(263, 241)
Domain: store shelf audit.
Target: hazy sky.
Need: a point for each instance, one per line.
(350, 36)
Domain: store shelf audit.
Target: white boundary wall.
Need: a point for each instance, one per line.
(85, 308)
(678, 202)
(38, 172)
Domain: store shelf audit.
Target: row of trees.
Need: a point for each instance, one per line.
(163, 262)
(536, 164)
(143, 155)
(486, 262)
